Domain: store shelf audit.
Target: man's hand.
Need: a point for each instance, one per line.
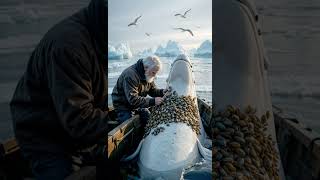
(167, 89)
(158, 100)
(167, 92)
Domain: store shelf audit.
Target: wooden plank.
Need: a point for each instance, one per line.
(302, 135)
(294, 144)
(10, 146)
(116, 137)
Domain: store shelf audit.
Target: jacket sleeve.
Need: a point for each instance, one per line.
(70, 85)
(154, 92)
(132, 94)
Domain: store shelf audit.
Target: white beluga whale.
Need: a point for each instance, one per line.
(166, 154)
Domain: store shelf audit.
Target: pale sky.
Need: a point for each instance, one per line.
(159, 20)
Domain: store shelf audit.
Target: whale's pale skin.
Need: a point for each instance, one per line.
(178, 146)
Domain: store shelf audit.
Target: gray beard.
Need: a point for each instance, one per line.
(149, 79)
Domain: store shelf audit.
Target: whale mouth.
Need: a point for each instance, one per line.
(182, 57)
(180, 77)
(188, 61)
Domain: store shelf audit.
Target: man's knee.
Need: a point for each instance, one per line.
(124, 115)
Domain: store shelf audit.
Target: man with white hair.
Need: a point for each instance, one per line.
(133, 86)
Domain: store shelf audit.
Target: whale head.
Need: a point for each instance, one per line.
(181, 78)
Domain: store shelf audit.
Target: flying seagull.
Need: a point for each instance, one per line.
(148, 34)
(184, 15)
(183, 30)
(135, 21)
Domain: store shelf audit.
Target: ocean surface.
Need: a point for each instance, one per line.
(291, 33)
(202, 69)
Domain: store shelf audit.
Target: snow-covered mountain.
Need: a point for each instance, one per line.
(170, 50)
(121, 51)
(205, 50)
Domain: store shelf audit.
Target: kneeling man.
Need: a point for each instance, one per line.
(133, 86)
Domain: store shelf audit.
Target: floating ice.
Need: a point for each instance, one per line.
(146, 52)
(172, 49)
(205, 50)
(121, 51)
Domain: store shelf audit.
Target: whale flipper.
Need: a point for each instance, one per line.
(133, 155)
(206, 153)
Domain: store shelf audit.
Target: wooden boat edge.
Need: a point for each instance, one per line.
(288, 132)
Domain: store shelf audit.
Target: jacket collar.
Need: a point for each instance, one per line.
(140, 69)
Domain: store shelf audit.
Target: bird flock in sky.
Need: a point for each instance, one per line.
(134, 23)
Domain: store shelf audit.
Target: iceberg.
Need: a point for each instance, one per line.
(172, 49)
(113, 53)
(205, 50)
(124, 49)
(146, 52)
(191, 52)
(160, 50)
(121, 51)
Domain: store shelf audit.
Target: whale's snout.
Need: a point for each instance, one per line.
(183, 57)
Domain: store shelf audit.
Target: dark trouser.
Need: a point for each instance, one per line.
(50, 166)
(124, 115)
(144, 115)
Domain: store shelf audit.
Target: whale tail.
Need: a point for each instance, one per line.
(205, 153)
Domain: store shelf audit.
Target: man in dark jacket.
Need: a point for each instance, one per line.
(59, 104)
(133, 86)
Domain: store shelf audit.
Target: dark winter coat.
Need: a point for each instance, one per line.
(131, 89)
(59, 104)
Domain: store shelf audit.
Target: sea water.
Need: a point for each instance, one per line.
(291, 34)
(202, 69)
